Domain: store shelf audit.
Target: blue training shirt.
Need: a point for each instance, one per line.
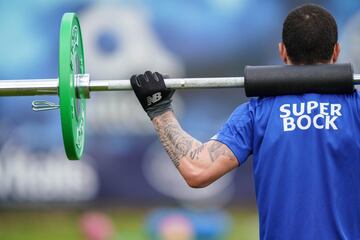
(306, 163)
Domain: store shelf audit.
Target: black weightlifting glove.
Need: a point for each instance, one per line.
(152, 93)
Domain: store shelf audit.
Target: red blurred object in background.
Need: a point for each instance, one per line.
(96, 226)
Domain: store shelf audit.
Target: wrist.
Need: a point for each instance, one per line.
(163, 115)
(159, 109)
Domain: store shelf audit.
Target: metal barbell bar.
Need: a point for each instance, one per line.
(34, 87)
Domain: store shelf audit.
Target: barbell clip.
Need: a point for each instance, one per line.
(43, 105)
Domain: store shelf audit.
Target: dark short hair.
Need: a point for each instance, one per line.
(309, 34)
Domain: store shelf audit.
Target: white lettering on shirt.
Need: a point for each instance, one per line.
(304, 115)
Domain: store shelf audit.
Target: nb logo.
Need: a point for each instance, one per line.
(154, 98)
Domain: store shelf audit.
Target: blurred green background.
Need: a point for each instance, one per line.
(35, 224)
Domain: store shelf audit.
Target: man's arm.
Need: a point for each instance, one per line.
(199, 163)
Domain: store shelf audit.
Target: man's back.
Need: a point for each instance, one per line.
(306, 163)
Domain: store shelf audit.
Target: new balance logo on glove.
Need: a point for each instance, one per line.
(154, 98)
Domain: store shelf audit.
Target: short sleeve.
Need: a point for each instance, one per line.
(237, 132)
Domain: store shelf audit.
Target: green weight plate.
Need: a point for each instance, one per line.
(72, 108)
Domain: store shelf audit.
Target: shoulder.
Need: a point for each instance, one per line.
(261, 101)
(355, 94)
(253, 104)
(246, 111)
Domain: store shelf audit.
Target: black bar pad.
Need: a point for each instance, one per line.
(264, 81)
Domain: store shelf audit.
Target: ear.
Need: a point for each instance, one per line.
(283, 53)
(336, 53)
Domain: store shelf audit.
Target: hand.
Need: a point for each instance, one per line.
(152, 93)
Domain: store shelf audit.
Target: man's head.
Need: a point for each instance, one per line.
(309, 36)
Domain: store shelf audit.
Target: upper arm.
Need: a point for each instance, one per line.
(238, 132)
(214, 159)
(223, 160)
(219, 152)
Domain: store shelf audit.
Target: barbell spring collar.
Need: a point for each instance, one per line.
(43, 105)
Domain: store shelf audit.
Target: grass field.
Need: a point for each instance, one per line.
(129, 223)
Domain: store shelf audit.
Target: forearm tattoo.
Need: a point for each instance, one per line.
(175, 141)
(178, 144)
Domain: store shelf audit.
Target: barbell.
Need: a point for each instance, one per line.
(73, 85)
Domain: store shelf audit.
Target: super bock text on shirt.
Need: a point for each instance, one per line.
(311, 114)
